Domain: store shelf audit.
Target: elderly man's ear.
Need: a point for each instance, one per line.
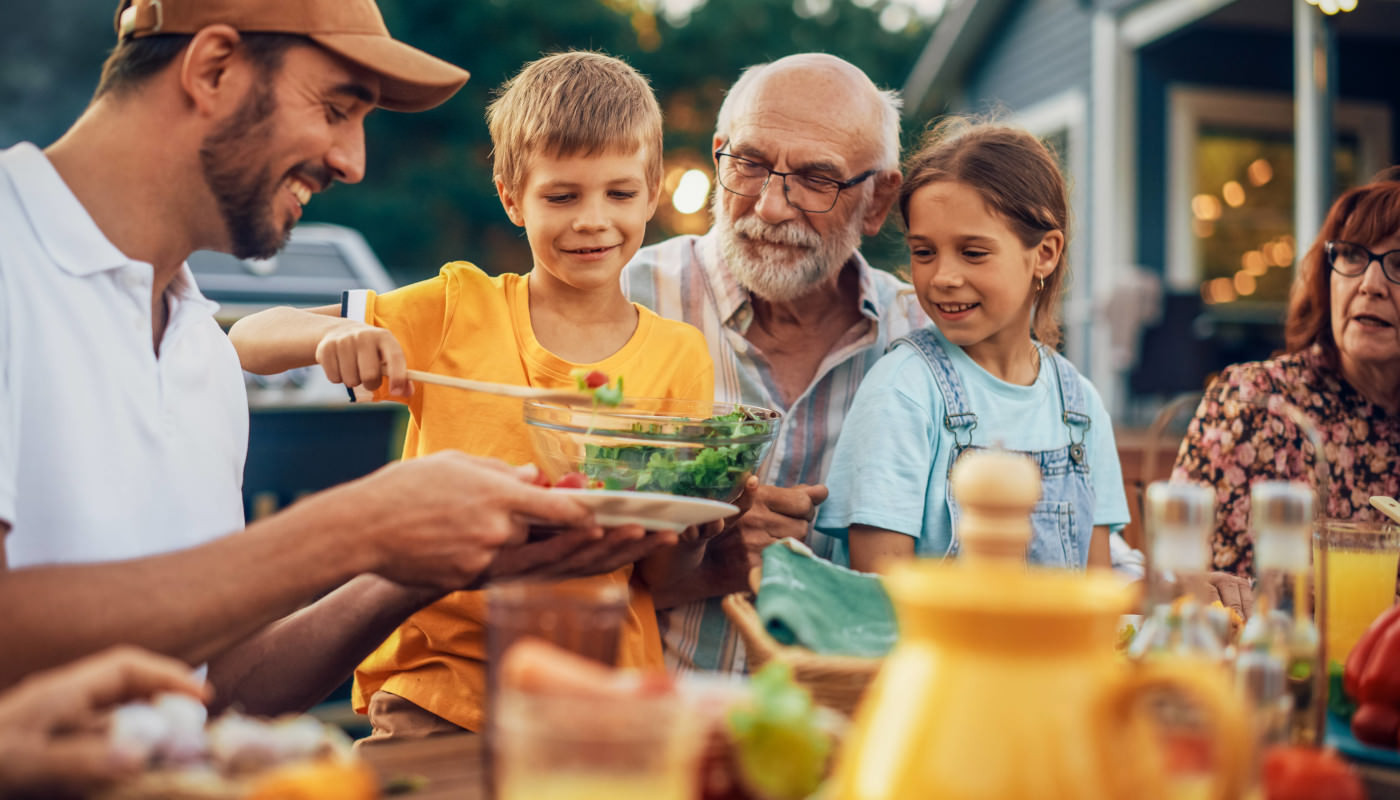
(886, 190)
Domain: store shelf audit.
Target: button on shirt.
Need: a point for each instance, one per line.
(106, 451)
(685, 278)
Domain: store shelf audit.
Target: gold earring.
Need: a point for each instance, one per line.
(1042, 284)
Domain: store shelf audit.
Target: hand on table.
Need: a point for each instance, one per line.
(53, 739)
(1231, 590)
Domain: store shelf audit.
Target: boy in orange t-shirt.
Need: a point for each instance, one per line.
(577, 156)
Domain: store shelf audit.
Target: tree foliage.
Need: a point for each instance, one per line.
(428, 196)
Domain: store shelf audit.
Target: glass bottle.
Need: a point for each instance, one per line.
(1281, 639)
(1178, 521)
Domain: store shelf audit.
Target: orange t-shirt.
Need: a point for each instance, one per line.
(468, 324)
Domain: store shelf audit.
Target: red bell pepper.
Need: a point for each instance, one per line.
(1361, 653)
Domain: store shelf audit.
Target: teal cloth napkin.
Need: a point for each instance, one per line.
(810, 602)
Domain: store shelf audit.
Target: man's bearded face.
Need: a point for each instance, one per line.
(783, 262)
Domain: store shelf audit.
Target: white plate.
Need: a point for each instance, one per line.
(652, 510)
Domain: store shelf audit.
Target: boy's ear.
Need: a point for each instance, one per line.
(655, 189)
(1047, 253)
(207, 70)
(509, 203)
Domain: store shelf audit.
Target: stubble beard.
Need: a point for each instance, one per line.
(245, 196)
(781, 263)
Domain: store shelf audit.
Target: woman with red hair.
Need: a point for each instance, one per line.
(1340, 368)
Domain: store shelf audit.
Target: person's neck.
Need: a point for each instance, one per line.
(1015, 360)
(134, 183)
(832, 303)
(1378, 383)
(578, 325)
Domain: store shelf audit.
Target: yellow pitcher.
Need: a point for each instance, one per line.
(1005, 683)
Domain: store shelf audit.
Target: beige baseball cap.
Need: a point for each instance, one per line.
(410, 79)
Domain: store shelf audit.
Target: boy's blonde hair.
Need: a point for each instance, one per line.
(574, 103)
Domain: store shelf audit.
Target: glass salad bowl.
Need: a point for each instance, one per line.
(680, 447)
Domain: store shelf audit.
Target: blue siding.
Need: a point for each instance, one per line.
(1041, 49)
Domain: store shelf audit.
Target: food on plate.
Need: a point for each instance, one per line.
(1371, 677)
(712, 472)
(605, 392)
(295, 757)
(569, 480)
(1306, 773)
(779, 742)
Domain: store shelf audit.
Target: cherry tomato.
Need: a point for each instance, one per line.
(595, 379)
(1306, 773)
(571, 480)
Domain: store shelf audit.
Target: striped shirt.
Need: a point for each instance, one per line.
(685, 278)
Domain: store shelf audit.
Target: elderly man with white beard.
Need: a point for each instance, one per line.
(806, 153)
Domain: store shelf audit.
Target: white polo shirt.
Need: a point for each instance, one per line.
(106, 452)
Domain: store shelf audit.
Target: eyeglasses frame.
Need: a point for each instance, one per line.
(841, 186)
(1329, 246)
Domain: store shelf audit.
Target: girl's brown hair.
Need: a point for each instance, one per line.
(1364, 215)
(1017, 176)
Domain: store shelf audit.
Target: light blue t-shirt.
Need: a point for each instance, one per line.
(890, 468)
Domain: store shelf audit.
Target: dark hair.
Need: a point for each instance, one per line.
(1365, 215)
(1017, 176)
(134, 61)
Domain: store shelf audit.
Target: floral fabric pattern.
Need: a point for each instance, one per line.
(1241, 433)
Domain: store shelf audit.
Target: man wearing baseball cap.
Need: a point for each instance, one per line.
(123, 418)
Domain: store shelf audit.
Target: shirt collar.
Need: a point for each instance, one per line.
(60, 222)
(67, 232)
(735, 303)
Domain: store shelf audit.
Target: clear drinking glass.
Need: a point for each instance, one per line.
(1356, 566)
(572, 747)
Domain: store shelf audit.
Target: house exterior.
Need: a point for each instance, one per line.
(1196, 150)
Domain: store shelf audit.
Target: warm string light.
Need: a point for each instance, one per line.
(1330, 7)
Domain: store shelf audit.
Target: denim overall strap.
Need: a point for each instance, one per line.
(958, 417)
(1074, 410)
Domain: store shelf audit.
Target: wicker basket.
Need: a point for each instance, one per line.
(835, 681)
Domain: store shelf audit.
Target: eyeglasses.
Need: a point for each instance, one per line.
(1351, 260)
(813, 194)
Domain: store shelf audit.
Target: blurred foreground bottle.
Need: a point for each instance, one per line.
(1178, 521)
(1277, 667)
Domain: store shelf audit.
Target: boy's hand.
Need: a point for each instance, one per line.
(357, 354)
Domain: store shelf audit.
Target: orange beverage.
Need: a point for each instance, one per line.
(1361, 560)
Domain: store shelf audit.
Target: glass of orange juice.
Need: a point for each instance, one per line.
(576, 747)
(1357, 564)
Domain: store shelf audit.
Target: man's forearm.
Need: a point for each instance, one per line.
(294, 663)
(191, 604)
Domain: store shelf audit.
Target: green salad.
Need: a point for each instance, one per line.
(712, 472)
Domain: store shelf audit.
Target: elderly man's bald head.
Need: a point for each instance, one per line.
(829, 83)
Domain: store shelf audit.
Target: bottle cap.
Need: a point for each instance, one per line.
(996, 492)
(1178, 519)
(1281, 517)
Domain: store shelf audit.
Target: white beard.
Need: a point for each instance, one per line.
(784, 262)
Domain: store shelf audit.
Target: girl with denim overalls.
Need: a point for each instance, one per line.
(986, 219)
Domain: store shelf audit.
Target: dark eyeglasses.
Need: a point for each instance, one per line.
(1351, 259)
(814, 194)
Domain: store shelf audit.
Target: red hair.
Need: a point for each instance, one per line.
(1364, 215)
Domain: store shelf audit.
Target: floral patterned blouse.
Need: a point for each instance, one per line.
(1240, 435)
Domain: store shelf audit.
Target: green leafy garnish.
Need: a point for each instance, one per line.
(781, 748)
(712, 472)
(1338, 702)
(605, 392)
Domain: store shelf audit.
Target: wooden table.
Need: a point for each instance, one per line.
(438, 767)
(452, 767)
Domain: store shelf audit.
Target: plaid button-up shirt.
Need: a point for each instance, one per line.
(685, 278)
